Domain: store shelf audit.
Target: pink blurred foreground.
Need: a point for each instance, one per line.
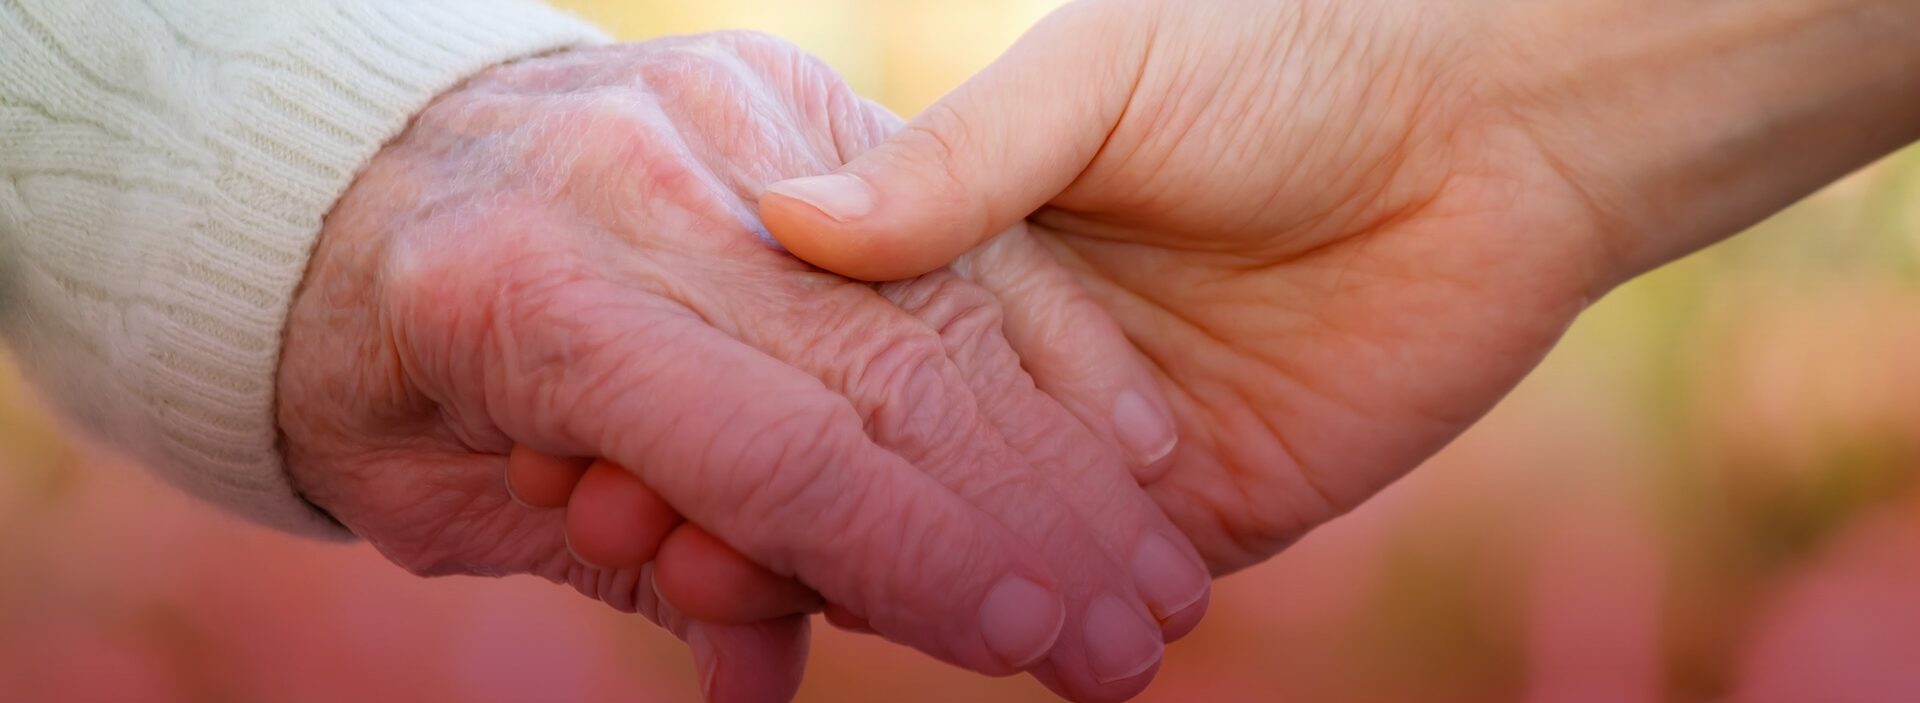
(1707, 494)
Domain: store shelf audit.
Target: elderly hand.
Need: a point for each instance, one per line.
(562, 255)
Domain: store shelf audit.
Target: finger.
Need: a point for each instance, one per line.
(1119, 645)
(706, 579)
(1065, 339)
(614, 521)
(761, 662)
(1074, 350)
(774, 464)
(917, 399)
(540, 481)
(997, 149)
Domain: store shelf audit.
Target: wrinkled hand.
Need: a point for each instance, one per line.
(1324, 222)
(562, 255)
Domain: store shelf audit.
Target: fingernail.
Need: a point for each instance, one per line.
(1020, 621)
(840, 196)
(516, 497)
(1146, 432)
(1169, 580)
(568, 540)
(704, 658)
(1120, 643)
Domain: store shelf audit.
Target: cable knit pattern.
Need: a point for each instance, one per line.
(164, 169)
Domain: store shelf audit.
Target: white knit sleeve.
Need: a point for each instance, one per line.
(164, 169)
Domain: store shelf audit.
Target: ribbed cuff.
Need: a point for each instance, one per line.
(313, 109)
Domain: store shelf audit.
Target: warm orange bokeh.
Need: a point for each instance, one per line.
(1706, 494)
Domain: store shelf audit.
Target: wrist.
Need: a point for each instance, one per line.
(1686, 123)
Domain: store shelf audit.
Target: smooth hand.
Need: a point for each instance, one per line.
(563, 256)
(1337, 250)
(1344, 230)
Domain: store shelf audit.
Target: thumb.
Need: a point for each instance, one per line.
(980, 160)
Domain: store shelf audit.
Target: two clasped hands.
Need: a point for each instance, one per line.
(1170, 284)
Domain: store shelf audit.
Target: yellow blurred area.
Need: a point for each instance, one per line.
(1705, 494)
(903, 53)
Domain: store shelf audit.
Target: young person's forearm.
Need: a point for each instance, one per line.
(1689, 121)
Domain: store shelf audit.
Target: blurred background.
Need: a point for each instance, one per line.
(1707, 494)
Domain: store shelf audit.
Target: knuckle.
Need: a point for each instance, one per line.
(964, 314)
(764, 105)
(837, 124)
(899, 350)
(1078, 327)
(601, 149)
(707, 63)
(753, 55)
(621, 155)
(910, 396)
(940, 133)
(602, 120)
(970, 322)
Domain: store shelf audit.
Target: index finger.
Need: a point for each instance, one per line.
(768, 460)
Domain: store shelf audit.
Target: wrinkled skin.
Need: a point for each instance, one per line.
(1344, 230)
(1326, 223)
(562, 255)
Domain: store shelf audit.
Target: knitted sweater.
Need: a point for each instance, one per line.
(164, 169)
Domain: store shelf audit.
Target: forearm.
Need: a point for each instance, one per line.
(1686, 122)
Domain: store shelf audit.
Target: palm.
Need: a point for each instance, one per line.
(1403, 268)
